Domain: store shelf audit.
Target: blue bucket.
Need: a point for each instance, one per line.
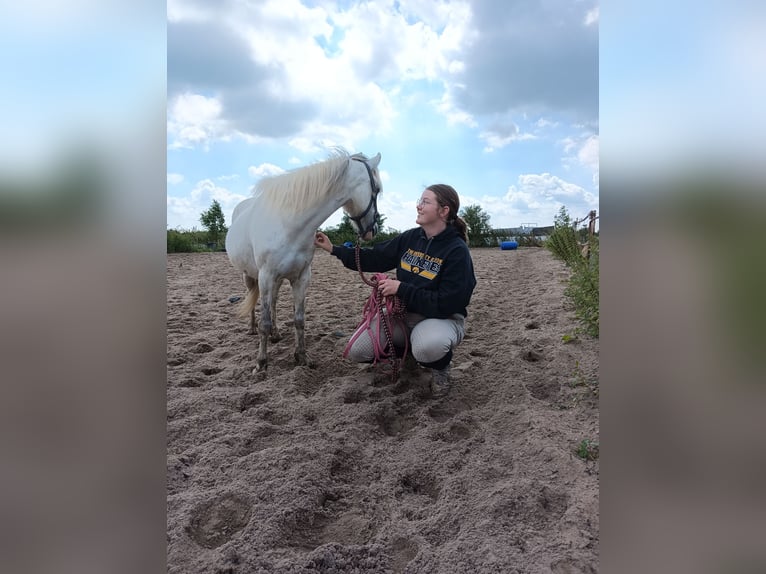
(505, 245)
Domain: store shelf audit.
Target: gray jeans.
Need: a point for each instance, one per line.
(430, 339)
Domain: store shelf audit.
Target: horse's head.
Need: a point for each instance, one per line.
(364, 197)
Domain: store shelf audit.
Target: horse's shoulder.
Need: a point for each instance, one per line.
(241, 207)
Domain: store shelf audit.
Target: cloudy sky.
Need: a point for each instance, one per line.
(497, 98)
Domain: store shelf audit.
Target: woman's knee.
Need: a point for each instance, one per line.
(430, 349)
(432, 339)
(361, 350)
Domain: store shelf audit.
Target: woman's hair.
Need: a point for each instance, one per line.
(448, 197)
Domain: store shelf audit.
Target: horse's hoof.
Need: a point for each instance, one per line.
(251, 332)
(275, 338)
(301, 359)
(260, 367)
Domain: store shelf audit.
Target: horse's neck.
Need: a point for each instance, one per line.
(311, 220)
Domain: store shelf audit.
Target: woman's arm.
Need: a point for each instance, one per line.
(382, 256)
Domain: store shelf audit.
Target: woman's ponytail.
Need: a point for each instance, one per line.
(462, 228)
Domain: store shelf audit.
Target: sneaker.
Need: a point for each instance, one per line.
(440, 385)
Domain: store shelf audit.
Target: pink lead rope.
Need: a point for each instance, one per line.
(390, 311)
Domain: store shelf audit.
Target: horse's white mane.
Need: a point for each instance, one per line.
(304, 187)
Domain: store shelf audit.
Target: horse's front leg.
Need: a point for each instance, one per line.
(251, 284)
(300, 286)
(274, 336)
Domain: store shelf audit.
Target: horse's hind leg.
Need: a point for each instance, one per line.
(264, 326)
(300, 286)
(251, 284)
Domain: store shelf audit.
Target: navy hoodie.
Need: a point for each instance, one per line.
(436, 274)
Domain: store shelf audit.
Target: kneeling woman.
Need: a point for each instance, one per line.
(434, 280)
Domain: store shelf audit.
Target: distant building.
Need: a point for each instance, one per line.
(514, 233)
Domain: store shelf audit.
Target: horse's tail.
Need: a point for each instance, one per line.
(251, 299)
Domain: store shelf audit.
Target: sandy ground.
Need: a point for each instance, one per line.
(336, 469)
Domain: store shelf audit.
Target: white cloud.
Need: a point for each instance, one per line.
(501, 133)
(592, 16)
(582, 151)
(546, 123)
(588, 155)
(447, 107)
(183, 210)
(194, 119)
(264, 170)
(536, 199)
(545, 186)
(270, 63)
(530, 58)
(175, 178)
(312, 78)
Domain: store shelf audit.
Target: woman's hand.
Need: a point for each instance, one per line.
(388, 286)
(321, 240)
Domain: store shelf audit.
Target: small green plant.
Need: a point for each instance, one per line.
(581, 381)
(588, 449)
(569, 338)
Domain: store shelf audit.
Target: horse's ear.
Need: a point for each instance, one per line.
(375, 160)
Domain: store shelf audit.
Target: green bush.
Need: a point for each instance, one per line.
(529, 240)
(345, 231)
(564, 243)
(583, 290)
(182, 241)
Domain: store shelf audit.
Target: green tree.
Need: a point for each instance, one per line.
(213, 221)
(479, 230)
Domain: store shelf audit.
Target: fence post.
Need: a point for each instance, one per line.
(591, 230)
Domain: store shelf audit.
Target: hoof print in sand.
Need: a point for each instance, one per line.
(420, 485)
(190, 382)
(443, 412)
(544, 390)
(211, 370)
(249, 400)
(218, 520)
(393, 423)
(353, 395)
(532, 356)
(570, 566)
(403, 551)
(313, 529)
(456, 432)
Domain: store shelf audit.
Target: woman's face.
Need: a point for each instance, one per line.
(429, 210)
